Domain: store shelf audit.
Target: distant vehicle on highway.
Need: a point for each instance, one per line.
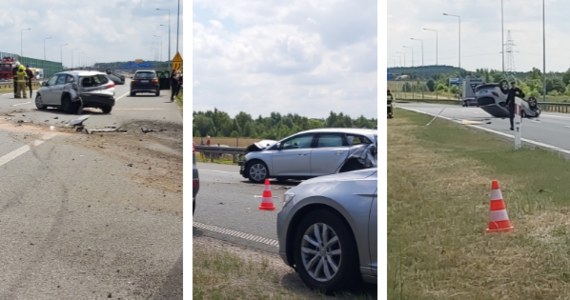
(310, 153)
(71, 91)
(492, 98)
(327, 230)
(117, 78)
(145, 81)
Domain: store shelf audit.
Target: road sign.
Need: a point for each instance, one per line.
(177, 62)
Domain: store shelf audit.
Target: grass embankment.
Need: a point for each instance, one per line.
(224, 271)
(438, 207)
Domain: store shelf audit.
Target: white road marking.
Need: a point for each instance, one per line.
(122, 96)
(234, 233)
(19, 104)
(16, 153)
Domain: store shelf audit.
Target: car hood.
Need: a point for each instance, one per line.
(261, 145)
(346, 176)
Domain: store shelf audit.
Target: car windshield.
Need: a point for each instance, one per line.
(145, 75)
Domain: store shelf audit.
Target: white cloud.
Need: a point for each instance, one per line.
(296, 57)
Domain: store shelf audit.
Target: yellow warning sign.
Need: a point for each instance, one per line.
(177, 62)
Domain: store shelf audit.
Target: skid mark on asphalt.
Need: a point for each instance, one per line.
(24, 149)
(234, 233)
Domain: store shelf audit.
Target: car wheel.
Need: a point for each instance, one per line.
(106, 109)
(157, 93)
(39, 102)
(257, 171)
(351, 165)
(66, 106)
(325, 254)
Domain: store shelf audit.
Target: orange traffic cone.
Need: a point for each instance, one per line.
(498, 218)
(266, 198)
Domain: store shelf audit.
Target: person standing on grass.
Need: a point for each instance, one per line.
(513, 92)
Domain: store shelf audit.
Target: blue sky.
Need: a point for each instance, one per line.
(303, 57)
(113, 30)
(480, 33)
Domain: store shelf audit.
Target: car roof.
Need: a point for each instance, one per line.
(81, 73)
(363, 131)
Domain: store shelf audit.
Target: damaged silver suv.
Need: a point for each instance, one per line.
(71, 91)
(311, 153)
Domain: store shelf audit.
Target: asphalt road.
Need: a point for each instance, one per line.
(550, 130)
(76, 220)
(228, 202)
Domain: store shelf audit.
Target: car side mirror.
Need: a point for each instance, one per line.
(44, 83)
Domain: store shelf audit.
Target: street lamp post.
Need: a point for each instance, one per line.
(543, 56)
(22, 41)
(169, 56)
(412, 48)
(502, 40)
(49, 37)
(436, 43)
(160, 52)
(177, 25)
(403, 53)
(61, 53)
(459, 23)
(422, 46)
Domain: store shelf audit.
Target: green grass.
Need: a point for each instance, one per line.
(438, 200)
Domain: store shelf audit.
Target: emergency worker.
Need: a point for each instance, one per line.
(513, 92)
(30, 75)
(21, 81)
(14, 79)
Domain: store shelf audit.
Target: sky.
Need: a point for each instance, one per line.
(305, 57)
(94, 31)
(481, 41)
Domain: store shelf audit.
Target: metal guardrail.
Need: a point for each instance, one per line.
(544, 106)
(213, 152)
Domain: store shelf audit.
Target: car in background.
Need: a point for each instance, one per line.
(310, 153)
(195, 180)
(71, 91)
(145, 81)
(327, 230)
(117, 79)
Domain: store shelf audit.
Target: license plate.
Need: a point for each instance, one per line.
(144, 81)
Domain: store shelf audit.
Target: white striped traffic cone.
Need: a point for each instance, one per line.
(498, 217)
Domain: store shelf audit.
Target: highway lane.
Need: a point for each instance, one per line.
(90, 216)
(551, 130)
(228, 201)
(141, 106)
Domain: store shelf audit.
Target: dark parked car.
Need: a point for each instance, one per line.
(163, 79)
(328, 232)
(145, 81)
(117, 79)
(71, 91)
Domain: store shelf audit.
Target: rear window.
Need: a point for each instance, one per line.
(145, 75)
(93, 80)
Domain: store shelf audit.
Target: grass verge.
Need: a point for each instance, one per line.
(225, 271)
(438, 206)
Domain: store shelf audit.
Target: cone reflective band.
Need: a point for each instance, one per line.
(498, 217)
(266, 198)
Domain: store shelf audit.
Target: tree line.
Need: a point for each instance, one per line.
(217, 123)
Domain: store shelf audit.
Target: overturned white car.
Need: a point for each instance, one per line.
(492, 98)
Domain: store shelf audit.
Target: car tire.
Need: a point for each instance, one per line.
(257, 171)
(351, 165)
(66, 105)
(39, 102)
(325, 268)
(106, 109)
(157, 93)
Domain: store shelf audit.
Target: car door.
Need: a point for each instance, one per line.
(292, 157)
(55, 90)
(330, 151)
(46, 90)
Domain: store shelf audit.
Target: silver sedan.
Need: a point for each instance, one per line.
(327, 230)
